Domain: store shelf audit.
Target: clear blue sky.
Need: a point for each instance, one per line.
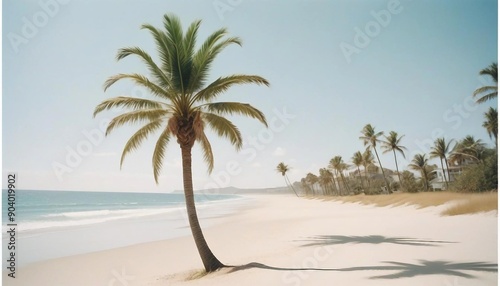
(334, 66)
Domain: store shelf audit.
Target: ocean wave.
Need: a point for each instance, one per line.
(69, 219)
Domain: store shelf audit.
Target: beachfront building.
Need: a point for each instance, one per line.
(439, 183)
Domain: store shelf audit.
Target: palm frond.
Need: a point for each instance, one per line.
(204, 57)
(135, 116)
(208, 156)
(190, 38)
(484, 89)
(180, 61)
(224, 128)
(141, 81)
(135, 141)
(231, 108)
(163, 46)
(491, 70)
(487, 97)
(128, 102)
(222, 84)
(159, 152)
(160, 76)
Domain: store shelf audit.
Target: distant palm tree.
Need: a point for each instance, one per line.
(419, 163)
(305, 186)
(468, 149)
(283, 169)
(185, 105)
(339, 166)
(489, 91)
(440, 150)
(491, 123)
(326, 180)
(368, 160)
(357, 160)
(393, 143)
(312, 180)
(370, 139)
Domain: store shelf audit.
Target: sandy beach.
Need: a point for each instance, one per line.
(284, 240)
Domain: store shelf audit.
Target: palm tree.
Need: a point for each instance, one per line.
(357, 160)
(368, 160)
(337, 164)
(489, 91)
(184, 105)
(326, 181)
(491, 123)
(312, 180)
(393, 143)
(419, 163)
(370, 139)
(468, 149)
(440, 150)
(283, 169)
(305, 186)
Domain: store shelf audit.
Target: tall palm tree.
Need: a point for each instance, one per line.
(491, 123)
(393, 143)
(184, 105)
(420, 163)
(370, 139)
(357, 160)
(489, 91)
(440, 150)
(283, 169)
(368, 160)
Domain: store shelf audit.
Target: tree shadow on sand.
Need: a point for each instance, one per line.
(403, 270)
(370, 239)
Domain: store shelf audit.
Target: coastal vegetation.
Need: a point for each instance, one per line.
(467, 165)
(458, 203)
(184, 105)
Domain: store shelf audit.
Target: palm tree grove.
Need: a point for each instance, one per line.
(464, 165)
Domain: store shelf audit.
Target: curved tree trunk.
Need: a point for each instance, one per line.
(287, 181)
(383, 173)
(397, 169)
(210, 262)
(444, 172)
(447, 169)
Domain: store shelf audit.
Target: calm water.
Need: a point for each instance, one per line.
(43, 210)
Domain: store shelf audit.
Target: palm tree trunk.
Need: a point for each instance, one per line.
(291, 186)
(346, 187)
(383, 173)
(447, 169)
(444, 174)
(397, 169)
(360, 178)
(210, 262)
(367, 179)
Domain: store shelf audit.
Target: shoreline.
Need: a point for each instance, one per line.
(59, 242)
(353, 244)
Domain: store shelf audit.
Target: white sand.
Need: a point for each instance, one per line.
(306, 242)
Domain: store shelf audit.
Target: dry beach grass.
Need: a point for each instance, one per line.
(461, 203)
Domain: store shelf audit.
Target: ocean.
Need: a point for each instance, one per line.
(53, 224)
